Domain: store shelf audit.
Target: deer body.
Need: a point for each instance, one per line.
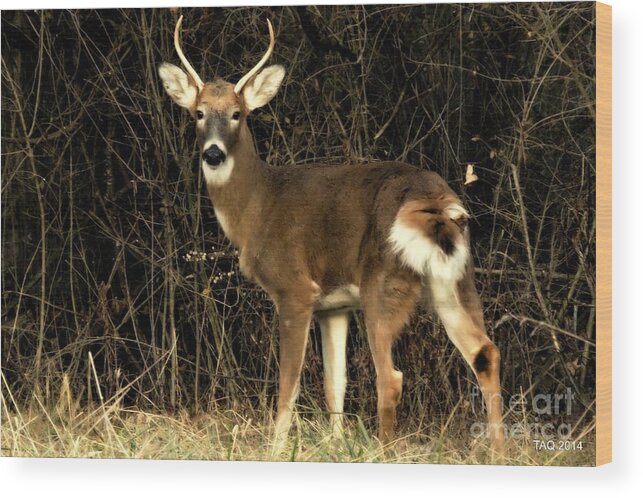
(323, 240)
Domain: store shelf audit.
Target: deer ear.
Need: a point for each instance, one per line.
(178, 85)
(263, 87)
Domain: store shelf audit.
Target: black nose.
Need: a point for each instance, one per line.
(213, 155)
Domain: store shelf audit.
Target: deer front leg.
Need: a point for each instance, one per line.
(294, 324)
(334, 330)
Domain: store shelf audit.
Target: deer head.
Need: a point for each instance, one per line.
(219, 107)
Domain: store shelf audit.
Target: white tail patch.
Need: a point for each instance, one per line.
(456, 211)
(424, 256)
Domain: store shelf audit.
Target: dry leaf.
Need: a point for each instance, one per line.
(470, 176)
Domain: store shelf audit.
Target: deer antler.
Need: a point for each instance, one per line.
(242, 82)
(186, 64)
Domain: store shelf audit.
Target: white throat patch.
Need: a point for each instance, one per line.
(223, 221)
(219, 175)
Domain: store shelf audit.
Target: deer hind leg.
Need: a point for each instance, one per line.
(294, 324)
(388, 303)
(458, 306)
(334, 329)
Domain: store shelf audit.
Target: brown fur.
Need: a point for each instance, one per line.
(219, 96)
(306, 230)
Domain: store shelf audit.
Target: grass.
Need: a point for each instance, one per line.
(112, 431)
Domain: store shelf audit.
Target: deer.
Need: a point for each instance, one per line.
(324, 241)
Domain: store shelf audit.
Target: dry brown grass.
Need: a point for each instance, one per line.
(109, 430)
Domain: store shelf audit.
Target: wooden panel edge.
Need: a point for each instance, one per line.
(603, 233)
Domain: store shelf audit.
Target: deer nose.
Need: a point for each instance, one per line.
(213, 155)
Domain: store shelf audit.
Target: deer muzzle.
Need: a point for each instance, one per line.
(213, 155)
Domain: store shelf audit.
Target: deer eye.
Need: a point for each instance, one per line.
(199, 114)
(236, 116)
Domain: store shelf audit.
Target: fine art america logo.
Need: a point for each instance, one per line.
(544, 434)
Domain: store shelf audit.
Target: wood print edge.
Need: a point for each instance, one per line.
(604, 233)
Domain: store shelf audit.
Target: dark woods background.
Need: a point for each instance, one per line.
(115, 272)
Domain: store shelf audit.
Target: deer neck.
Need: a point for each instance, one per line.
(237, 189)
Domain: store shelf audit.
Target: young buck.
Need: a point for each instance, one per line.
(325, 240)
